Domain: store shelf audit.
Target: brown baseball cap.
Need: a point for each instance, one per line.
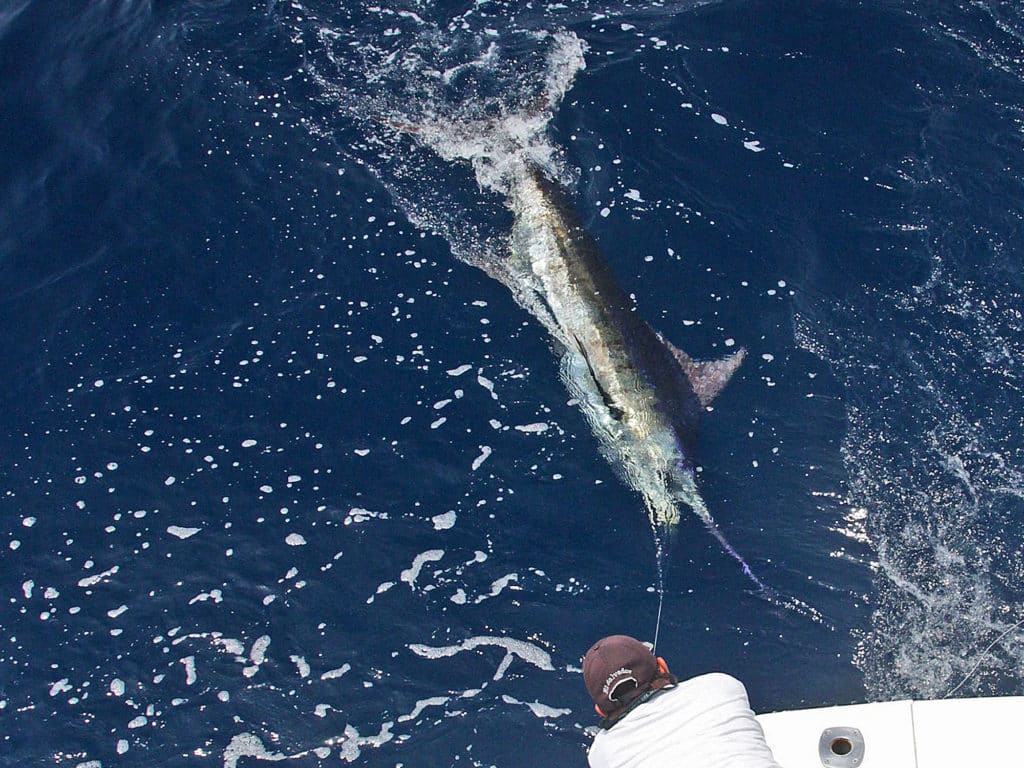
(615, 669)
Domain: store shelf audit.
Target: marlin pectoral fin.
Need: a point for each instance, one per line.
(708, 378)
(609, 403)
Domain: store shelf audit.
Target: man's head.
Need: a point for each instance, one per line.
(616, 670)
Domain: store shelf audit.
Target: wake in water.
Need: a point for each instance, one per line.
(471, 95)
(933, 451)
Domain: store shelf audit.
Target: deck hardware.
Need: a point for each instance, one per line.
(841, 747)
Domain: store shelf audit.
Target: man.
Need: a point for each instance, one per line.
(652, 720)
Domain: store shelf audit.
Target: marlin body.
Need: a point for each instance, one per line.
(642, 396)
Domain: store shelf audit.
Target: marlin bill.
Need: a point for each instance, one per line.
(642, 396)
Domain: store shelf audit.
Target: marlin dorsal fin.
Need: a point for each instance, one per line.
(709, 377)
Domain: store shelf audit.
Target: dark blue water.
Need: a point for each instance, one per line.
(264, 494)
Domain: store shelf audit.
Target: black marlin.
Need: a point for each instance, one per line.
(642, 396)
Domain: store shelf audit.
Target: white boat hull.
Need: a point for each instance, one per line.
(948, 733)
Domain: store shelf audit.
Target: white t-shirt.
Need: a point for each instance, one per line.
(704, 722)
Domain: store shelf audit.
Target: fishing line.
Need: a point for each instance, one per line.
(657, 625)
(660, 558)
(983, 653)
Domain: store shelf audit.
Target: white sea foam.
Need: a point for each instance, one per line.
(409, 575)
(190, 669)
(485, 451)
(528, 652)
(259, 649)
(421, 705)
(182, 532)
(333, 674)
(351, 744)
(90, 581)
(498, 586)
(257, 655)
(214, 594)
(444, 521)
(358, 515)
(301, 665)
(230, 645)
(542, 711)
(249, 745)
(487, 384)
(534, 428)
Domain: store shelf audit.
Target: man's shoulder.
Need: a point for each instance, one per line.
(716, 681)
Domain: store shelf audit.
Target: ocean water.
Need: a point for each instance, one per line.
(289, 472)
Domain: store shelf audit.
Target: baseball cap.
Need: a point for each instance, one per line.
(616, 669)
